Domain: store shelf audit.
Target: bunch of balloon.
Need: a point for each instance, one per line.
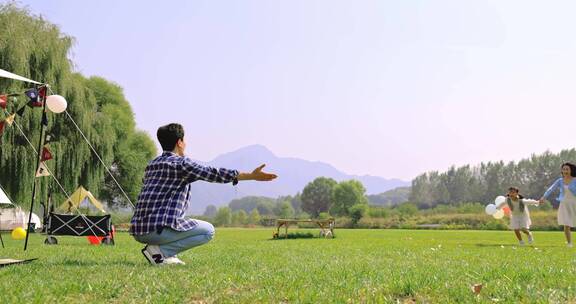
(494, 209)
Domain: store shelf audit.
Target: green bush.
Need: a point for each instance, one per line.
(357, 212)
(295, 235)
(541, 220)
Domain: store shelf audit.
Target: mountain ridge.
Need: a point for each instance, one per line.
(294, 174)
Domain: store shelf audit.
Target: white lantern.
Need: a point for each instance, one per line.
(56, 103)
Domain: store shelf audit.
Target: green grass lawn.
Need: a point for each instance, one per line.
(246, 266)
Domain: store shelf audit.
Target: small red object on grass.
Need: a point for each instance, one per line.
(95, 240)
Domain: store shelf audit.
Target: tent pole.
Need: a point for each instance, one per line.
(39, 155)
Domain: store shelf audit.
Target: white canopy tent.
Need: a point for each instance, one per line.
(12, 216)
(6, 74)
(4, 200)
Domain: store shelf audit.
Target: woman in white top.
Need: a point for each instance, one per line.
(519, 216)
(567, 209)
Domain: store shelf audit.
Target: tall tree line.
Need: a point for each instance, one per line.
(484, 182)
(35, 48)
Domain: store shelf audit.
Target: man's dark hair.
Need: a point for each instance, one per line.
(169, 135)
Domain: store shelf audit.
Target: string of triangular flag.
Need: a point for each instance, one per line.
(48, 138)
(36, 99)
(44, 156)
(10, 118)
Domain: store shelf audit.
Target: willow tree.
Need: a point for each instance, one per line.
(35, 48)
(131, 149)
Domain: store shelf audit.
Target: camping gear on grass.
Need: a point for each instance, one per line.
(70, 220)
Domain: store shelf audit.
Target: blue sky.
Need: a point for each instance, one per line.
(387, 88)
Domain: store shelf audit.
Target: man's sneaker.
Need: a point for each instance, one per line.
(570, 245)
(521, 243)
(530, 239)
(153, 254)
(174, 260)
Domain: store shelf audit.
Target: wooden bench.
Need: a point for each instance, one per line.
(326, 226)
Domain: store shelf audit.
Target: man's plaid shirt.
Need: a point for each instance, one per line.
(165, 194)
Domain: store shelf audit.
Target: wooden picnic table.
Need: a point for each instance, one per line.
(326, 226)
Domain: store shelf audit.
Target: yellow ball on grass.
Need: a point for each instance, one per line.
(19, 233)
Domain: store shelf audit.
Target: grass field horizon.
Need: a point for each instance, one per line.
(247, 266)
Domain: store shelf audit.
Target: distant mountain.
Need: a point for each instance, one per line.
(390, 198)
(294, 174)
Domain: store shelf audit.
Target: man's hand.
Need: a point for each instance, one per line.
(257, 175)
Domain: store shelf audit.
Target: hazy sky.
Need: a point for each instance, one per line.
(388, 88)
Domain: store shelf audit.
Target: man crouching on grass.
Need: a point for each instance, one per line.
(159, 219)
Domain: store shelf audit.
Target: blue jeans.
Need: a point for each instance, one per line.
(172, 242)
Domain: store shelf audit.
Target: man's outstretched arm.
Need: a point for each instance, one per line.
(257, 175)
(194, 172)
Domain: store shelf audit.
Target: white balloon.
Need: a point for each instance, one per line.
(499, 200)
(490, 209)
(56, 103)
(499, 214)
